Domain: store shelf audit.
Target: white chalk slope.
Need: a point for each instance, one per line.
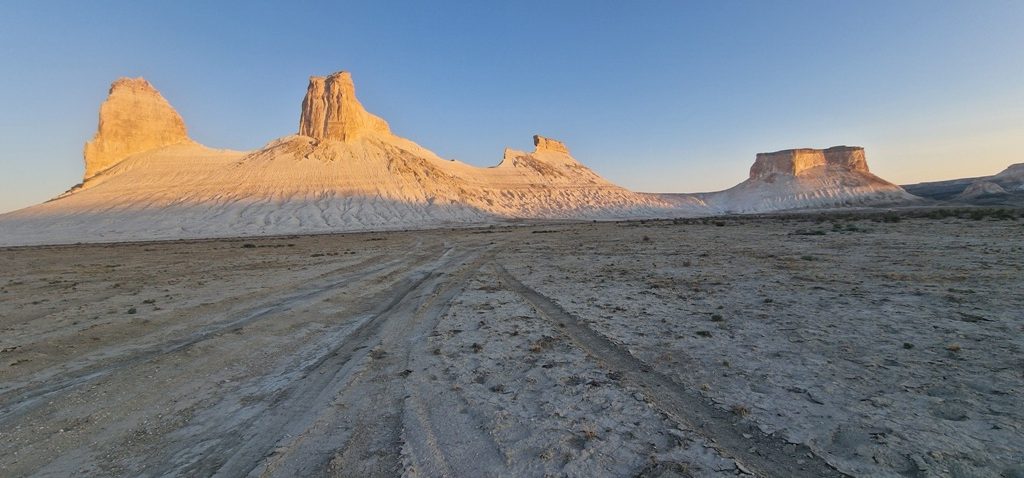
(299, 185)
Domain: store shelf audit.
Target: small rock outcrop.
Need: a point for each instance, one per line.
(797, 161)
(330, 110)
(981, 188)
(134, 118)
(541, 143)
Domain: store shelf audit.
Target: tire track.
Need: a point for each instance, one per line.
(19, 401)
(381, 424)
(762, 454)
(287, 433)
(442, 436)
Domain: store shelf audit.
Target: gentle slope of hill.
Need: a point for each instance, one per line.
(1004, 188)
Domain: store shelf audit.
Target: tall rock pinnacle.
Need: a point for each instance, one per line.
(134, 118)
(330, 110)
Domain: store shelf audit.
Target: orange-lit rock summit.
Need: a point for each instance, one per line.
(330, 110)
(795, 162)
(133, 119)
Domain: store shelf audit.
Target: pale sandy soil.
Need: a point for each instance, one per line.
(694, 348)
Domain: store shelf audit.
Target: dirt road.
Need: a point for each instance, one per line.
(526, 351)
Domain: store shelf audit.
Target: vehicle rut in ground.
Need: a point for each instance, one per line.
(285, 435)
(376, 417)
(442, 436)
(16, 402)
(763, 454)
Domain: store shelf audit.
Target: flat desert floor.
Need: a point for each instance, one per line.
(780, 346)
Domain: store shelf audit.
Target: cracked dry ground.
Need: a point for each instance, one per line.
(694, 348)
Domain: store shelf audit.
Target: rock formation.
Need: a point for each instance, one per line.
(346, 171)
(850, 158)
(547, 144)
(133, 119)
(330, 110)
(795, 162)
(807, 178)
(981, 188)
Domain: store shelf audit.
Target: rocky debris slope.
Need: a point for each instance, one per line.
(134, 118)
(807, 178)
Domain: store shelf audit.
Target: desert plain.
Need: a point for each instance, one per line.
(865, 343)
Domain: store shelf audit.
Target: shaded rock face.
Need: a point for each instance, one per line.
(981, 188)
(330, 110)
(133, 119)
(547, 144)
(797, 161)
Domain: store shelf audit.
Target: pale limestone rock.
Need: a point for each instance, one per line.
(330, 110)
(134, 118)
(795, 162)
(547, 144)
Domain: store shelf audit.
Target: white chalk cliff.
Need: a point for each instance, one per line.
(346, 171)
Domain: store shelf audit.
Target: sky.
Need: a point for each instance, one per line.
(657, 96)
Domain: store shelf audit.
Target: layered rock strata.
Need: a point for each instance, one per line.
(795, 162)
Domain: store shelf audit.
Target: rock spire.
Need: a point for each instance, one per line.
(330, 110)
(134, 118)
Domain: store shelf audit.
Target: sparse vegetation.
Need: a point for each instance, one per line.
(740, 410)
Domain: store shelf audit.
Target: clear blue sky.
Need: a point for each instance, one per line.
(657, 96)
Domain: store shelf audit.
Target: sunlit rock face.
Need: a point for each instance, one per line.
(134, 118)
(330, 110)
(795, 162)
(547, 144)
(850, 158)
